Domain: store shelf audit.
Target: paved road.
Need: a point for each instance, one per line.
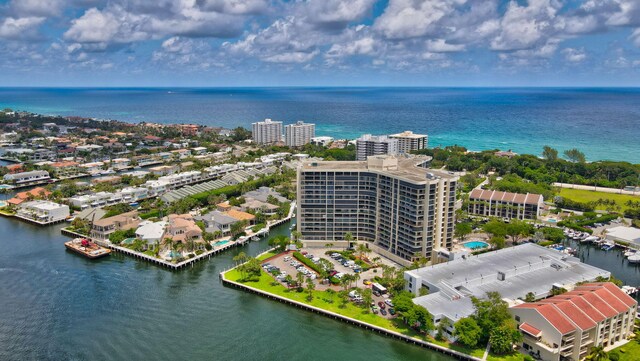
(598, 189)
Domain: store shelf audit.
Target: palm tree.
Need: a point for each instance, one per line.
(296, 236)
(240, 258)
(348, 237)
(328, 245)
(597, 354)
(168, 243)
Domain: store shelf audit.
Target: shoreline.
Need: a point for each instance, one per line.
(336, 316)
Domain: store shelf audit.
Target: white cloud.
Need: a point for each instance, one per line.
(20, 28)
(238, 7)
(291, 57)
(335, 14)
(573, 55)
(408, 19)
(36, 7)
(524, 27)
(441, 46)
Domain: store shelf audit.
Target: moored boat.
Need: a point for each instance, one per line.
(634, 259)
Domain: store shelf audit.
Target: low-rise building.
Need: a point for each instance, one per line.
(624, 234)
(163, 170)
(567, 326)
(151, 232)
(490, 203)
(102, 228)
(322, 141)
(35, 193)
(64, 168)
(27, 178)
(217, 221)
(513, 272)
(43, 212)
(183, 228)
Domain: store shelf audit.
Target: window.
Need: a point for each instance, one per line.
(518, 318)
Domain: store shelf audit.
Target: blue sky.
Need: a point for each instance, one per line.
(320, 42)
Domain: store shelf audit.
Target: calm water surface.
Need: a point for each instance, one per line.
(55, 305)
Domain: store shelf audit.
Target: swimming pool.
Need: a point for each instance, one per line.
(221, 243)
(475, 245)
(5, 186)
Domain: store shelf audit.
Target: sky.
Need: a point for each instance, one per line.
(319, 43)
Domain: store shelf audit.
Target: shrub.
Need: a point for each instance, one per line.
(199, 252)
(307, 262)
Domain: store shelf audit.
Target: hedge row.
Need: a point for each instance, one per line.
(307, 262)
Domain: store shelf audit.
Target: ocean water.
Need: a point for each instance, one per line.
(604, 123)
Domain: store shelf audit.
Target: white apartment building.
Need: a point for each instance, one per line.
(43, 212)
(408, 141)
(299, 134)
(368, 145)
(267, 132)
(323, 141)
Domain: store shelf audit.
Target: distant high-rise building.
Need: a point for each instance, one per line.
(267, 132)
(299, 134)
(403, 210)
(368, 145)
(408, 141)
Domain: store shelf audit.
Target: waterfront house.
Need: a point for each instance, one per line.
(262, 194)
(255, 205)
(183, 228)
(35, 193)
(27, 178)
(151, 232)
(43, 212)
(92, 167)
(490, 203)
(102, 228)
(241, 216)
(217, 221)
(64, 168)
(120, 163)
(567, 326)
(198, 150)
(163, 170)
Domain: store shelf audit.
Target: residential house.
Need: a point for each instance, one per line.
(151, 232)
(183, 228)
(217, 221)
(35, 193)
(102, 228)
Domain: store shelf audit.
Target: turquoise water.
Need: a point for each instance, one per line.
(602, 122)
(475, 244)
(221, 243)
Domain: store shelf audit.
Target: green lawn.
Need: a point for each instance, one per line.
(630, 351)
(322, 300)
(266, 255)
(584, 196)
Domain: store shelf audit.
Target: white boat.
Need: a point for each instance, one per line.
(629, 289)
(634, 259)
(629, 252)
(607, 246)
(591, 239)
(96, 173)
(108, 172)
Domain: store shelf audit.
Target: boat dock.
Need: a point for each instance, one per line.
(241, 241)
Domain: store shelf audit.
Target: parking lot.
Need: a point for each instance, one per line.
(285, 265)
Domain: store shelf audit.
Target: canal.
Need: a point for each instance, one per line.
(56, 305)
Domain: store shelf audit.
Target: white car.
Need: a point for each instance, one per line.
(388, 302)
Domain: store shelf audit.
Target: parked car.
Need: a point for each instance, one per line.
(287, 258)
(382, 305)
(375, 309)
(366, 282)
(376, 293)
(383, 312)
(392, 311)
(388, 302)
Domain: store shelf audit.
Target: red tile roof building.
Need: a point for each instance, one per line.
(567, 326)
(504, 204)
